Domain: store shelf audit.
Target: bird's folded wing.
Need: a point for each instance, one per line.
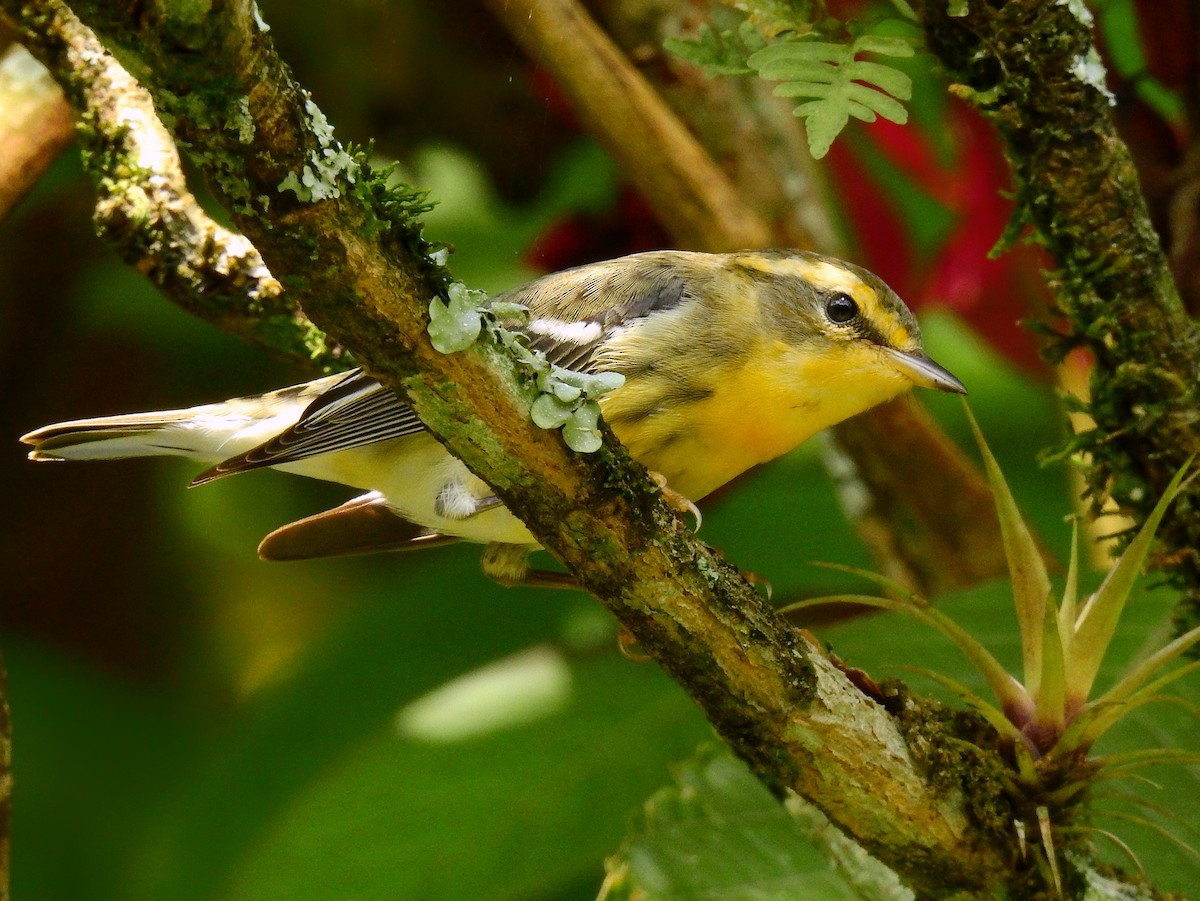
(364, 525)
(571, 315)
(354, 412)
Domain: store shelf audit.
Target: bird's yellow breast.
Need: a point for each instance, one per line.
(758, 410)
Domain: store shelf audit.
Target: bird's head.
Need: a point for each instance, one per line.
(841, 326)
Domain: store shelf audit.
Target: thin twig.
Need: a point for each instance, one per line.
(620, 108)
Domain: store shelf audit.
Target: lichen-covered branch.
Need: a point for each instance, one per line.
(35, 124)
(145, 208)
(1031, 67)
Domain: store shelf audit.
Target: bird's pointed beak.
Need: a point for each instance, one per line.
(924, 372)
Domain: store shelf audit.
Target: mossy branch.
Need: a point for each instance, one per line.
(355, 261)
(1030, 66)
(146, 211)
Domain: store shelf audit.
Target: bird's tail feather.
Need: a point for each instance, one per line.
(164, 433)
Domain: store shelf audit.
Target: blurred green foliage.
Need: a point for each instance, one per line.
(193, 724)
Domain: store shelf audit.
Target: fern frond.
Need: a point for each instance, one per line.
(839, 84)
(720, 52)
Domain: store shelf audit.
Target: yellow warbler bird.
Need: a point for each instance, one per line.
(730, 360)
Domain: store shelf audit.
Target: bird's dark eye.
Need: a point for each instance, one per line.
(841, 308)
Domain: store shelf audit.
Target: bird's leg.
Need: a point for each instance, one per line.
(676, 500)
(508, 564)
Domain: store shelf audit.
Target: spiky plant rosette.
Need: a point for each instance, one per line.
(1048, 720)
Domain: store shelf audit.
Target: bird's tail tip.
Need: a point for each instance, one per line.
(105, 438)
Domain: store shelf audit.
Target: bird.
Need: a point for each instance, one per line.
(729, 360)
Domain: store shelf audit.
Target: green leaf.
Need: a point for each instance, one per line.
(100, 755)
(884, 45)
(1049, 716)
(875, 103)
(527, 812)
(872, 643)
(718, 52)
(1098, 619)
(825, 122)
(1108, 709)
(990, 712)
(1068, 609)
(903, 7)
(718, 833)
(1121, 764)
(885, 78)
(1013, 698)
(1031, 584)
(896, 588)
(799, 59)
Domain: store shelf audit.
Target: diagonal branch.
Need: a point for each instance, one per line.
(148, 214)
(349, 249)
(665, 161)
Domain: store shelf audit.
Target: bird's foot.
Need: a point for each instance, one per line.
(676, 500)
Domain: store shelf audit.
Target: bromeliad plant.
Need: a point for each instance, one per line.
(1049, 720)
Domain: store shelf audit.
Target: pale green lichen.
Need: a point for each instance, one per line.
(321, 177)
(566, 399)
(242, 122)
(1079, 10)
(455, 324)
(1089, 68)
(259, 22)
